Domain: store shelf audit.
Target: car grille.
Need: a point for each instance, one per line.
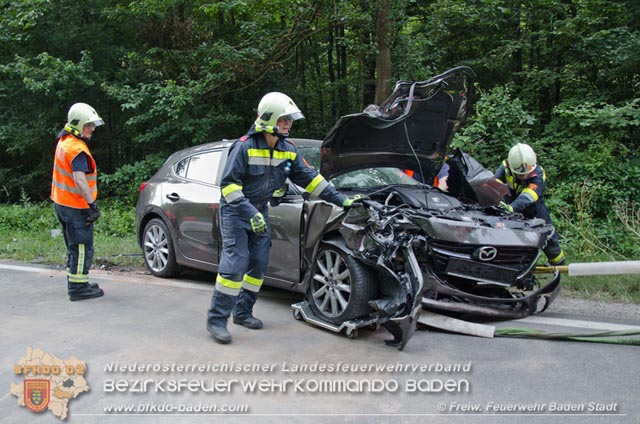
(510, 262)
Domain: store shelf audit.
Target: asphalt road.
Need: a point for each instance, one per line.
(146, 349)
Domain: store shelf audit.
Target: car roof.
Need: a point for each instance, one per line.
(225, 143)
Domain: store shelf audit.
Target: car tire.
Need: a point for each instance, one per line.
(340, 287)
(157, 247)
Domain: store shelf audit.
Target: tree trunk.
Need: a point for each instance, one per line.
(383, 28)
(331, 71)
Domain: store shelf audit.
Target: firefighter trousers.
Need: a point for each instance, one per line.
(78, 237)
(243, 263)
(552, 250)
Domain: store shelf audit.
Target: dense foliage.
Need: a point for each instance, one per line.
(166, 74)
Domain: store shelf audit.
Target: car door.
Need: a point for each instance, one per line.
(285, 220)
(195, 200)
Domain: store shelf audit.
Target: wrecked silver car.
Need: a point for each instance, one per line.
(409, 246)
(449, 252)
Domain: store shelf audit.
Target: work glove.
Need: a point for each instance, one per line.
(351, 201)
(280, 192)
(258, 224)
(94, 213)
(507, 207)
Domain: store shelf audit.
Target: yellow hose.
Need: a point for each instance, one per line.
(563, 269)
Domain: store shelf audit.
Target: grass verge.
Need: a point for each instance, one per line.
(25, 236)
(598, 287)
(42, 248)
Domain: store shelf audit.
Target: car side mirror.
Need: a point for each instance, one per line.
(279, 195)
(281, 192)
(284, 195)
(274, 201)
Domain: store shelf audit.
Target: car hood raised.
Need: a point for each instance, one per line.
(410, 130)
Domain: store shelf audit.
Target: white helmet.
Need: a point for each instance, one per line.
(521, 160)
(79, 115)
(272, 107)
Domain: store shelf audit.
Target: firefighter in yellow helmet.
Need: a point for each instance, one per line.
(74, 191)
(527, 181)
(258, 164)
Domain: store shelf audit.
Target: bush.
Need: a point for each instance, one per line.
(117, 219)
(498, 122)
(124, 183)
(28, 216)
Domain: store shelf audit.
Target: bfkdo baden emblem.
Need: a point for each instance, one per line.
(50, 383)
(36, 394)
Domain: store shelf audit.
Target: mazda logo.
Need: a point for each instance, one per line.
(485, 253)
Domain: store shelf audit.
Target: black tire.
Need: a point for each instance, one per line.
(340, 286)
(157, 248)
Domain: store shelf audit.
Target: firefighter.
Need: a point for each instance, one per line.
(74, 192)
(258, 164)
(526, 181)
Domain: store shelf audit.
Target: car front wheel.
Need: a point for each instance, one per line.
(341, 286)
(157, 247)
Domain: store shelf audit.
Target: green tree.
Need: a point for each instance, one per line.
(167, 74)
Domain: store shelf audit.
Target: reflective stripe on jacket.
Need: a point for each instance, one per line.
(63, 186)
(254, 171)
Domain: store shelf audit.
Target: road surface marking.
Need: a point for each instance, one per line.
(562, 322)
(23, 268)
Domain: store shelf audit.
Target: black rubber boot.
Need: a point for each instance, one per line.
(243, 312)
(219, 333)
(249, 322)
(82, 291)
(221, 307)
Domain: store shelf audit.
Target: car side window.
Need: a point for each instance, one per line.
(180, 168)
(203, 167)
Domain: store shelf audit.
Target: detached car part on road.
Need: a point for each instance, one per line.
(409, 246)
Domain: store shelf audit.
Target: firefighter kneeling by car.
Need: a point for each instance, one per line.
(258, 164)
(527, 181)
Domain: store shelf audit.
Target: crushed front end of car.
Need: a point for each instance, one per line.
(389, 242)
(430, 250)
(452, 252)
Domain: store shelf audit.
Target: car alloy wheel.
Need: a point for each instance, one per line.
(158, 249)
(340, 287)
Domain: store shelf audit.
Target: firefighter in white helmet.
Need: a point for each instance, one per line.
(527, 181)
(74, 191)
(258, 164)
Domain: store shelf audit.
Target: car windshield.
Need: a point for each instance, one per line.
(369, 178)
(372, 178)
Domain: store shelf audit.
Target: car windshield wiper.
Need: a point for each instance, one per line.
(378, 189)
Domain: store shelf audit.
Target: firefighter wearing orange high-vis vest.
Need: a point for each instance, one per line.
(527, 181)
(74, 192)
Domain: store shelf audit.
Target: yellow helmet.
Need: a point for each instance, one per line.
(272, 107)
(522, 160)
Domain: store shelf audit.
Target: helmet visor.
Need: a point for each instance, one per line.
(97, 122)
(523, 170)
(292, 116)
